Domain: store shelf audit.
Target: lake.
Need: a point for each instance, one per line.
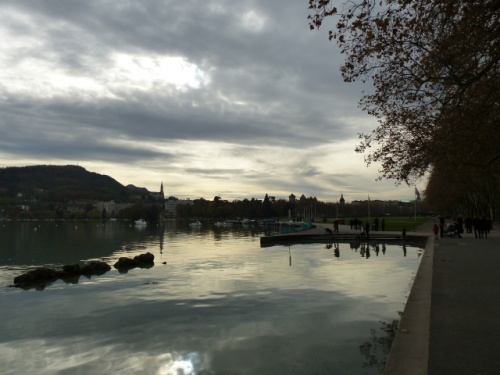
(215, 302)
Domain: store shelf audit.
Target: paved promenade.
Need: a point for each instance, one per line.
(451, 323)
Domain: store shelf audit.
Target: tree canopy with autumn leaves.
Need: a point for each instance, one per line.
(434, 67)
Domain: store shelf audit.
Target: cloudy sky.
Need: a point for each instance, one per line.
(213, 97)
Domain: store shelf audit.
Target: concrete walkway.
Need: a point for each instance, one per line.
(451, 322)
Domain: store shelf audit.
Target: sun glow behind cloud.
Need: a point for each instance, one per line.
(253, 21)
(41, 76)
(145, 72)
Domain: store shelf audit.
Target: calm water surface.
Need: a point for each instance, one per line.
(220, 305)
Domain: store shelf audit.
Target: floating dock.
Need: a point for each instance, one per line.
(318, 234)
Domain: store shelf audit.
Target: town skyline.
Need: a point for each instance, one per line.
(161, 193)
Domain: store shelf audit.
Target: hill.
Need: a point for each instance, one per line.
(137, 190)
(60, 183)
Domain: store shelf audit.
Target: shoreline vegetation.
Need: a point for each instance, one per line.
(392, 223)
(47, 193)
(71, 192)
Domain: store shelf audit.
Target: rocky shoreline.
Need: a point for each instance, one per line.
(40, 277)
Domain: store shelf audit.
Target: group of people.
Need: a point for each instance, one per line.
(480, 226)
(358, 224)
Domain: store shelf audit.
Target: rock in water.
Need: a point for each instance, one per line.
(38, 275)
(95, 267)
(145, 258)
(143, 261)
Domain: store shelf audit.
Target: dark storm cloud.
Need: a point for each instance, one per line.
(61, 146)
(140, 119)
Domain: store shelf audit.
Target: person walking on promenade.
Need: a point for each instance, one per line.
(484, 225)
(468, 224)
(476, 225)
(336, 226)
(441, 226)
(458, 228)
(435, 230)
(480, 227)
(383, 224)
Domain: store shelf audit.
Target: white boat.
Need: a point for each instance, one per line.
(141, 222)
(195, 224)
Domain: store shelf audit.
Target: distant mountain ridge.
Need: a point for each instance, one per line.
(137, 190)
(70, 182)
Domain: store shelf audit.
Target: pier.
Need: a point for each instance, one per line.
(317, 234)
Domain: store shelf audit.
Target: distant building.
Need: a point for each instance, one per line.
(171, 206)
(111, 207)
(159, 196)
(342, 200)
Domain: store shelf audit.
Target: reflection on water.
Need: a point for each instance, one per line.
(377, 348)
(214, 303)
